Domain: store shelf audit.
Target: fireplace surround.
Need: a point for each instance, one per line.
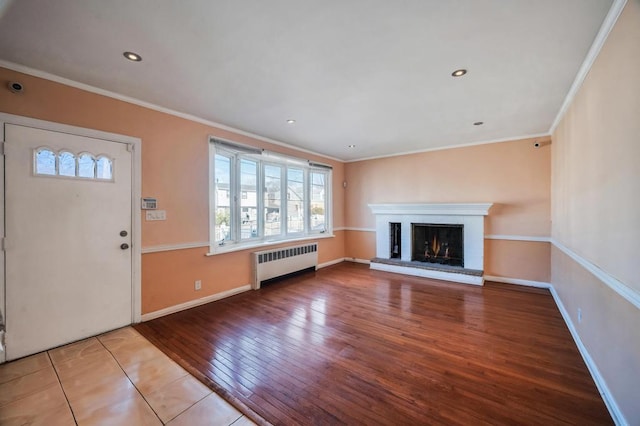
(404, 244)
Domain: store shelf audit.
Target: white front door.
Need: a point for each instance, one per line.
(68, 236)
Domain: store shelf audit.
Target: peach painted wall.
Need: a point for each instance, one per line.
(529, 260)
(596, 211)
(596, 165)
(169, 275)
(175, 170)
(360, 245)
(512, 175)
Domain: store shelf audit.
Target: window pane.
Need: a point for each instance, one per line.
(295, 200)
(258, 199)
(66, 164)
(223, 203)
(104, 168)
(45, 162)
(248, 205)
(86, 166)
(272, 200)
(318, 201)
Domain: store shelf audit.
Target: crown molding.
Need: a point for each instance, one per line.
(462, 145)
(98, 91)
(606, 27)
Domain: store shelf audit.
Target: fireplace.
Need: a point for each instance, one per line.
(434, 240)
(438, 243)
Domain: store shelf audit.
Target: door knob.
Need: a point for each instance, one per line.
(124, 246)
(123, 233)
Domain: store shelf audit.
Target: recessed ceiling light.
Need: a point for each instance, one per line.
(352, 146)
(132, 56)
(478, 123)
(290, 121)
(459, 73)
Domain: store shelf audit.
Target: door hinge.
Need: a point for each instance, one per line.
(3, 243)
(130, 147)
(2, 340)
(2, 148)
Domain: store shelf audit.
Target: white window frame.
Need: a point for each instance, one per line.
(237, 152)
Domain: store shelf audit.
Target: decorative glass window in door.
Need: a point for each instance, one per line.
(45, 161)
(103, 168)
(65, 163)
(86, 165)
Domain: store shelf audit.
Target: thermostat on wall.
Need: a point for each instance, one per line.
(149, 203)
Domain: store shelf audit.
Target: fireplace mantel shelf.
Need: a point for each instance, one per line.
(457, 209)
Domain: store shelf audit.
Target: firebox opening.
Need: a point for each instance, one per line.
(437, 243)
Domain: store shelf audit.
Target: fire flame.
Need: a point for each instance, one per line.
(435, 246)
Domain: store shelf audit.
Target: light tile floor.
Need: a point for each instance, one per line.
(117, 378)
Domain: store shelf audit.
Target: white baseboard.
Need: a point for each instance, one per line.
(356, 260)
(605, 393)
(331, 262)
(344, 259)
(607, 397)
(517, 281)
(193, 303)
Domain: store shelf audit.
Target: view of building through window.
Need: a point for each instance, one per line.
(272, 199)
(256, 199)
(222, 169)
(318, 201)
(249, 202)
(295, 200)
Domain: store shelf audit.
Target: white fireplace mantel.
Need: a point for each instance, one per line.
(470, 215)
(459, 209)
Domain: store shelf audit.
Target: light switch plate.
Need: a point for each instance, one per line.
(155, 215)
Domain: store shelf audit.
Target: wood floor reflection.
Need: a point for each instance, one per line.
(347, 345)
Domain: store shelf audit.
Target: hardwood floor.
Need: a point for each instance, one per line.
(347, 345)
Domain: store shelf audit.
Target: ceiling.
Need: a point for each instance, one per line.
(371, 73)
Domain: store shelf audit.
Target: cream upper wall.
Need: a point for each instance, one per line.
(596, 158)
(512, 175)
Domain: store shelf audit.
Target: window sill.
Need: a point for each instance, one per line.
(230, 248)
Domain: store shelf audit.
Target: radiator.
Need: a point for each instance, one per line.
(275, 263)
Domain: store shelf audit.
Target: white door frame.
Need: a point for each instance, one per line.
(136, 194)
